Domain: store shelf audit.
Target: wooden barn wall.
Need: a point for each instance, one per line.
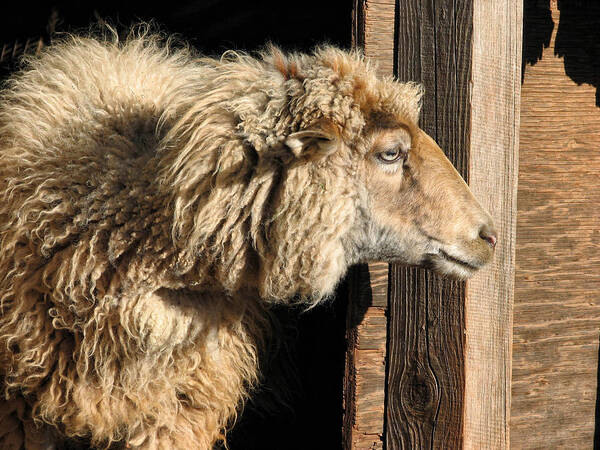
(557, 284)
(449, 342)
(448, 345)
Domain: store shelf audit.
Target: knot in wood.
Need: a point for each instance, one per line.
(419, 393)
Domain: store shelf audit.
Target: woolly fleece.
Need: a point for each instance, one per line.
(150, 211)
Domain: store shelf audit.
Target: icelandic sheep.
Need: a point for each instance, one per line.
(154, 203)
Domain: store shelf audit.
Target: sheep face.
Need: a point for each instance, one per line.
(412, 206)
(417, 208)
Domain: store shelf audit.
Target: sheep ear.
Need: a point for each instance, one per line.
(314, 143)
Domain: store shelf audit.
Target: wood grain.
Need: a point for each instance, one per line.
(497, 37)
(557, 284)
(379, 33)
(364, 382)
(428, 403)
(426, 330)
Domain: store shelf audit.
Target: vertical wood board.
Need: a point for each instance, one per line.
(493, 168)
(379, 33)
(364, 391)
(557, 282)
(426, 330)
(373, 31)
(436, 43)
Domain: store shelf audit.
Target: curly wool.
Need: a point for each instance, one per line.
(150, 211)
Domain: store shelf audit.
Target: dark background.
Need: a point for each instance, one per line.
(212, 26)
(300, 405)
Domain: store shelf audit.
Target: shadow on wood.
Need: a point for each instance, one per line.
(537, 31)
(556, 312)
(578, 41)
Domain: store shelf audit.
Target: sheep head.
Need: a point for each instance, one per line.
(418, 210)
(410, 204)
(319, 164)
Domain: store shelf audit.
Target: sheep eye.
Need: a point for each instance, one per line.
(391, 156)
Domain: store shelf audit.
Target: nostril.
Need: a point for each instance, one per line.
(489, 235)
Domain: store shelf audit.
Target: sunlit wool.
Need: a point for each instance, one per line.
(150, 211)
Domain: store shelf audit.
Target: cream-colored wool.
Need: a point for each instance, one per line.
(152, 204)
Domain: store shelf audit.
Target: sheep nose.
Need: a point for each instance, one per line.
(489, 235)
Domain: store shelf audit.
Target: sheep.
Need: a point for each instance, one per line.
(154, 204)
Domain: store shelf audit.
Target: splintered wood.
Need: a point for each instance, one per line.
(379, 34)
(557, 284)
(364, 386)
(365, 360)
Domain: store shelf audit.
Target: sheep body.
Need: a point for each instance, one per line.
(149, 212)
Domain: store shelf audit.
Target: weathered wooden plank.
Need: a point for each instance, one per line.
(453, 33)
(493, 178)
(413, 394)
(378, 274)
(364, 390)
(364, 385)
(379, 33)
(557, 282)
(426, 341)
(413, 390)
(426, 384)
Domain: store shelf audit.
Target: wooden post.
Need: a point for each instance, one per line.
(493, 168)
(364, 382)
(427, 317)
(448, 352)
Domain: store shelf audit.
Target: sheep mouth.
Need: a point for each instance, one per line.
(460, 262)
